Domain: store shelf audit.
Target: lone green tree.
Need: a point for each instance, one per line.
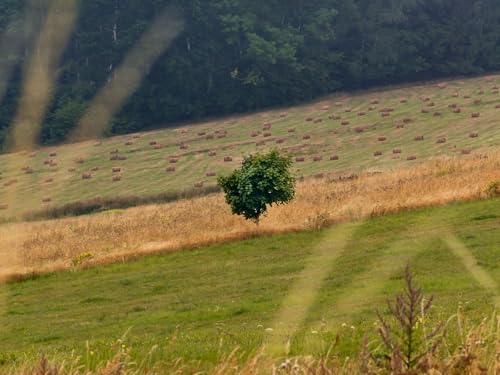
(262, 180)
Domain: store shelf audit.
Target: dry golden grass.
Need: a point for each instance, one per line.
(28, 248)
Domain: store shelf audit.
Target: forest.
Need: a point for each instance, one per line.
(237, 56)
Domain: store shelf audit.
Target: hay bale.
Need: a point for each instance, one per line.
(345, 123)
(403, 100)
(318, 120)
(334, 157)
(441, 140)
(86, 176)
(183, 147)
(4, 206)
(442, 85)
(267, 135)
(210, 174)
(46, 200)
(374, 101)
(129, 143)
(466, 152)
(497, 106)
(201, 134)
(397, 151)
(136, 136)
(475, 115)
(280, 141)
(317, 158)
(419, 138)
(319, 175)
(424, 110)
(359, 129)
(400, 126)
(220, 136)
(306, 137)
(173, 161)
(361, 113)
(466, 96)
(411, 157)
(431, 104)
(212, 153)
(455, 95)
(79, 161)
(170, 169)
(473, 135)
(326, 107)
(386, 114)
(228, 159)
(116, 178)
(378, 153)
(114, 152)
(265, 127)
(53, 154)
(153, 143)
(260, 143)
(336, 118)
(309, 119)
(339, 104)
(113, 157)
(209, 137)
(116, 169)
(291, 130)
(372, 108)
(95, 169)
(477, 101)
(28, 170)
(348, 110)
(382, 139)
(198, 185)
(283, 114)
(49, 180)
(437, 114)
(407, 120)
(121, 157)
(299, 159)
(457, 110)
(71, 169)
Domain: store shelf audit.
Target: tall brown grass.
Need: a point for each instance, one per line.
(45, 246)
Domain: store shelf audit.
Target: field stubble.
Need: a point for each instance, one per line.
(46, 246)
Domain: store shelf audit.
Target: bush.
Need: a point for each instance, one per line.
(263, 180)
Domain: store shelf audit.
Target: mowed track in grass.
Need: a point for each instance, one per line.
(163, 300)
(313, 132)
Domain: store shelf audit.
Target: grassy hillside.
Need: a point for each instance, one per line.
(349, 128)
(202, 304)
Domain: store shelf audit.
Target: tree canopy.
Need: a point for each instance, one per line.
(243, 55)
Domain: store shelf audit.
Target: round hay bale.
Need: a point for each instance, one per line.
(411, 157)
(475, 115)
(228, 159)
(403, 100)
(457, 110)
(136, 136)
(309, 119)
(396, 151)
(53, 154)
(334, 157)
(173, 160)
(116, 169)
(299, 159)
(374, 101)
(424, 110)
(210, 174)
(386, 114)
(170, 169)
(348, 110)
(473, 135)
(441, 140)
(466, 152)
(266, 135)
(400, 126)
(280, 141)
(209, 137)
(317, 158)
(407, 120)
(437, 114)
(198, 185)
(116, 178)
(95, 169)
(291, 130)
(359, 129)
(86, 176)
(318, 120)
(49, 180)
(212, 153)
(419, 138)
(46, 200)
(345, 123)
(378, 153)
(183, 147)
(382, 139)
(71, 169)
(153, 143)
(306, 137)
(121, 157)
(361, 113)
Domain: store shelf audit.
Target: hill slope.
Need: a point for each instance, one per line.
(339, 134)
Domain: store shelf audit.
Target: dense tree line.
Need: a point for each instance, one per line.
(243, 55)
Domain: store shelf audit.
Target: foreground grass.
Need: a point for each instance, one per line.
(200, 305)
